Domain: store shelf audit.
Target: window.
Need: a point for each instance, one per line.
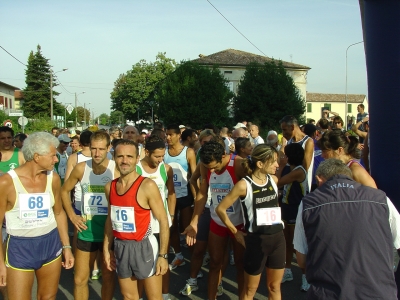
(227, 72)
(328, 106)
(349, 108)
(309, 107)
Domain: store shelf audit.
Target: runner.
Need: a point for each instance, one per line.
(36, 222)
(133, 200)
(92, 176)
(62, 156)
(264, 242)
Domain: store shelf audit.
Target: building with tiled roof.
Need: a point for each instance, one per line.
(232, 64)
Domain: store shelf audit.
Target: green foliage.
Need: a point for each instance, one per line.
(194, 95)
(117, 117)
(266, 94)
(103, 119)
(134, 89)
(41, 124)
(37, 90)
(82, 113)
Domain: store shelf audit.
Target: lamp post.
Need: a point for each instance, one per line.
(84, 113)
(346, 108)
(76, 108)
(51, 91)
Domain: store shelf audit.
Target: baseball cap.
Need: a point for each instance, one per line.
(64, 138)
(182, 126)
(239, 125)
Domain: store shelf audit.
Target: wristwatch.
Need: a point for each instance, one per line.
(163, 255)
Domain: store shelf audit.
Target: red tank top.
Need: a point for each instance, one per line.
(129, 220)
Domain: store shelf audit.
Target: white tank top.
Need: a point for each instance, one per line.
(180, 167)
(32, 214)
(78, 189)
(160, 178)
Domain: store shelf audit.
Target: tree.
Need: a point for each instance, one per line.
(117, 117)
(103, 119)
(37, 91)
(266, 94)
(134, 90)
(81, 116)
(194, 95)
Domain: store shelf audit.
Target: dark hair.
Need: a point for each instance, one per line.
(289, 120)
(323, 123)
(126, 142)
(261, 152)
(21, 136)
(75, 137)
(7, 129)
(154, 139)
(175, 128)
(56, 128)
(211, 151)
(295, 154)
(84, 138)
(311, 121)
(78, 132)
(362, 106)
(338, 119)
(309, 129)
(100, 135)
(158, 125)
(187, 133)
(332, 140)
(240, 143)
(157, 132)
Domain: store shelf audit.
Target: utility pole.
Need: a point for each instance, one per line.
(76, 111)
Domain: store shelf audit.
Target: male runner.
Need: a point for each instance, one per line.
(129, 245)
(10, 157)
(183, 161)
(62, 156)
(92, 176)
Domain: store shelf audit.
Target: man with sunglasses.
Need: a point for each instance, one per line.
(338, 123)
(61, 166)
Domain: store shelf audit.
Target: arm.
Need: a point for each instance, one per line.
(194, 184)
(355, 129)
(153, 197)
(109, 258)
(308, 153)
(296, 175)
(69, 184)
(361, 175)
(171, 191)
(5, 184)
(239, 171)
(331, 112)
(71, 163)
(199, 204)
(365, 154)
(62, 226)
(299, 239)
(239, 190)
(191, 158)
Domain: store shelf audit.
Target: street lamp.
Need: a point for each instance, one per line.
(84, 113)
(76, 108)
(51, 91)
(346, 108)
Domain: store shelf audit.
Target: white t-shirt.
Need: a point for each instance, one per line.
(258, 140)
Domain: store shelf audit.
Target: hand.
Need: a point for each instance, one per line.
(69, 259)
(191, 232)
(161, 266)
(109, 260)
(3, 274)
(78, 222)
(239, 236)
(366, 119)
(360, 146)
(326, 111)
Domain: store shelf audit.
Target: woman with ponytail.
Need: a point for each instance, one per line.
(335, 144)
(264, 241)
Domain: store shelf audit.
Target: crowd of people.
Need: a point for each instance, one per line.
(229, 195)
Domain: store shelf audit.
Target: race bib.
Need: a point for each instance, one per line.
(123, 219)
(95, 204)
(34, 206)
(268, 216)
(219, 191)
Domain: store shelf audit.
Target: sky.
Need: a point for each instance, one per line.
(97, 40)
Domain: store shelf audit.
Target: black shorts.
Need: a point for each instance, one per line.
(264, 251)
(89, 246)
(289, 213)
(203, 227)
(184, 202)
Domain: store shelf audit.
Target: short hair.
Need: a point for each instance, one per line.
(113, 129)
(273, 141)
(324, 123)
(309, 129)
(157, 132)
(125, 142)
(295, 154)
(211, 151)
(240, 143)
(134, 128)
(21, 136)
(174, 128)
(84, 138)
(261, 152)
(75, 137)
(187, 133)
(361, 105)
(7, 129)
(154, 139)
(55, 128)
(338, 119)
(158, 125)
(100, 135)
(331, 167)
(78, 132)
(40, 143)
(289, 120)
(311, 121)
(205, 133)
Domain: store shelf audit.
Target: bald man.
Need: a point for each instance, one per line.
(132, 133)
(255, 134)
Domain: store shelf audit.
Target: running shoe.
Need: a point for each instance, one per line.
(220, 290)
(287, 275)
(206, 259)
(96, 275)
(200, 274)
(231, 258)
(304, 284)
(177, 263)
(189, 288)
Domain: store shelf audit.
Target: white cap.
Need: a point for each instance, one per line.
(182, 126)
(239, 125)
(145, 131)
(272, 132)
(64, 138)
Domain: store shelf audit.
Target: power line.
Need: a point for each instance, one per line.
(13, 56)
(235, 27)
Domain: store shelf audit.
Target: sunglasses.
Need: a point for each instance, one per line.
(65, 143)
(337, 123)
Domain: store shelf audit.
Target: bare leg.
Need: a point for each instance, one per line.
(129, 288)
(108, 286)
(274, 278)
(83, 263)
(238, 251)
(19, 284)
(152, 285)
(251, 283)
(48, 277)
